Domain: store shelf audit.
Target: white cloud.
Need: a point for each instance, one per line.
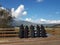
(54, 21)
(12, 9)
(2, 8)
(40, 0)
(24, 13)
(18, 12)
(28, 19)
(43, 21)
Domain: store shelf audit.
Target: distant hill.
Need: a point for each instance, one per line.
(56, 25)
(19, 22)
(52, 25)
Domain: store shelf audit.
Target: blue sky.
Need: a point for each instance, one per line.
(36, 9)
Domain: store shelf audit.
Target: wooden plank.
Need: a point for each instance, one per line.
(8, 35)
(8, 31)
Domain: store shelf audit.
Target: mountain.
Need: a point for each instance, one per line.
(56, 25)
(19, 22)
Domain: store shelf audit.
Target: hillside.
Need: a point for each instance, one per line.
(19, 22)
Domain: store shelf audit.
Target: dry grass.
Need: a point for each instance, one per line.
(53, 31)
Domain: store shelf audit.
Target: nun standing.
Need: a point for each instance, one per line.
(38, 30)
(32, 31)
(43, 31)
(21, 31)
(26, 32)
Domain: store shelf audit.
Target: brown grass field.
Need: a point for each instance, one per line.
(53, 31)
(53, 39)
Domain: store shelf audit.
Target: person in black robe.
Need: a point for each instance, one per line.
(21, 31)
(38, 30)
(43, 31)
(26, 32)
(32, 31)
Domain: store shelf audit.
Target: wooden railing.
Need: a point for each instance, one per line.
(9, 32)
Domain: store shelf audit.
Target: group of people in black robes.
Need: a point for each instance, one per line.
(25, 30)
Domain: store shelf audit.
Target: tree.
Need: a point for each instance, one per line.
(5, 17)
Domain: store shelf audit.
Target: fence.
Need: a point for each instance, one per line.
(9, 32)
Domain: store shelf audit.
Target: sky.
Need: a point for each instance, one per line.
(38, 11)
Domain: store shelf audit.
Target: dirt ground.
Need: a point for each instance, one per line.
(51, 40)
